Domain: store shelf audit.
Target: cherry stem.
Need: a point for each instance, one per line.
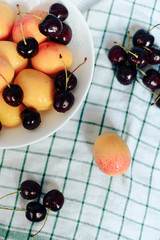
(33, 235)
(126, 49)
(153, 27)
(10, 194)
(67, 79)
(5, 80)
(128, 34)
(141, 71)
(12, 209)
(78, 67)
(147, 88)
(155, 100)
(31, 15)
(147, 49)
(20, 19)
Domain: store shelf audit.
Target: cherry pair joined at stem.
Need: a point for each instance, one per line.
(65, 81)
(35, 211)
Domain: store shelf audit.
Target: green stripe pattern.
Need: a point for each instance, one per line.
(97, 207)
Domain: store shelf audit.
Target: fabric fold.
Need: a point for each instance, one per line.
(83, 5)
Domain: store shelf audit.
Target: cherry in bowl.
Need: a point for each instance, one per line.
(31, 118)
(65, 36)
(59, 10)
(60, 81)
(28, 48)
(13, 95)
(63, 100)
(51, 26)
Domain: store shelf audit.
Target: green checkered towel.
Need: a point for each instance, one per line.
(97, 207)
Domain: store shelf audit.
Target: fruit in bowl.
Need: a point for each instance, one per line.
(9, 52)
(31, 87)
(47, 60)
(8, 18)
(9, 116)
(6, 73)
(48, 118)
(40, 95)
(30, 25)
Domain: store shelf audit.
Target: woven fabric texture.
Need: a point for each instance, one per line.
(97, 206)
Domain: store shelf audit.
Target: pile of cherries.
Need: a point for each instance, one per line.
(35, 211)
(127, 62)
(54, 27)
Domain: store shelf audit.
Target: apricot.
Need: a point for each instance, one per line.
(111, 154)
(9, 52)
(6, 73)
(48, 61)
(9, 116)
(7, 21)
(30, 27)
(38, 89)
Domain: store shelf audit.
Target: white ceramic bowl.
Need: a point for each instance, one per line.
(81, 46)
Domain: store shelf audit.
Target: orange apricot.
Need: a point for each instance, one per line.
(30, 27)
(38, 89)
(111, 154)
(6, 73)
(7, 21)
(8, 50)
(48, 58)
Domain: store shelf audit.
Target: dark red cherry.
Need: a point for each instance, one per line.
(51, 26)
(13, 95)
(59, 10)
(143, 39)
(142, 57)
(154, 56)
(126, 74)
(152, 79)
(30, 189)
(0, 126)
(36, 212)
(117, 55)
(65, 36)
(54, 200)
(63, 100)
(28, 50)
(31, 118)
(60, 81)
